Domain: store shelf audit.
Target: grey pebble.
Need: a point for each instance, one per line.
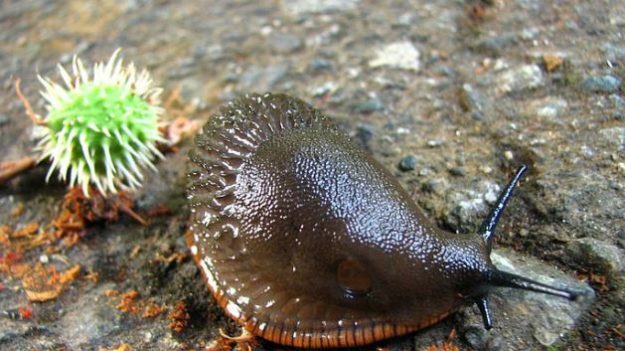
(3, 119)
(319, 64)
(299, 7)
(602, 84)
(369, 106)
(284, 43)
(408, 163)
(471, 99)
(259, 78)
(520, 78)
(495, 45)
(458, 171)
(437, 186)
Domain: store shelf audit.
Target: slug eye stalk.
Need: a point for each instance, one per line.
(487, 231)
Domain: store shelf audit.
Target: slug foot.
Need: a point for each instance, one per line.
(244, 342)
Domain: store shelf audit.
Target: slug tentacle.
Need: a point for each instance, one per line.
(509, 280)
(487, 231)
(484, 307)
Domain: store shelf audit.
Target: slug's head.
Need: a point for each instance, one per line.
(492, 277)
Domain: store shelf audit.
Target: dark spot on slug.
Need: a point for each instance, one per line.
(353, 277)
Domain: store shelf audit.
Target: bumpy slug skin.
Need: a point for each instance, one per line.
(277, 198)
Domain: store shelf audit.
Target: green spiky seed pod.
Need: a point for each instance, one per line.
(101, 129)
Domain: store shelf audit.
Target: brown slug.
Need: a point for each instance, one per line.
(307, 241)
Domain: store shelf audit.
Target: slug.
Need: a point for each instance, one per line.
(306, 241)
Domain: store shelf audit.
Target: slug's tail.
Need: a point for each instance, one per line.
(487, 231)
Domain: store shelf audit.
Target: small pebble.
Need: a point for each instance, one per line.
(364, 133)
(486, 169)
(436, 142)
(508, 155)
(520, 78)
(368, 106)
(319, 64)
(602, 84)
(284, 43)
(408, 163)
(458, 171)
(401, 55)
(436, 186)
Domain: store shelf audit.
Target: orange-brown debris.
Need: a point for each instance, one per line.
(179, 317)
(600, 282)
(244, 342)
(92, 276)
(131, 302)
(447, 345)
(152, 310)
(95, 208)
(177, 257)
(25, 231)
(552, 62)
(17, 210)
(111, 293)
(122, 347)
(180, 127)
(158, 210)
(5, 233)
(128, 302)
(44, 283)
(25, 312)
(10, 169)
(10, 263)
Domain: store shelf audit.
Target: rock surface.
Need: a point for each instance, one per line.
(462, 86)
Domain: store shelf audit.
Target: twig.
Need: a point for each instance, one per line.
(134, 215)
(29, 110)
(10, 169)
